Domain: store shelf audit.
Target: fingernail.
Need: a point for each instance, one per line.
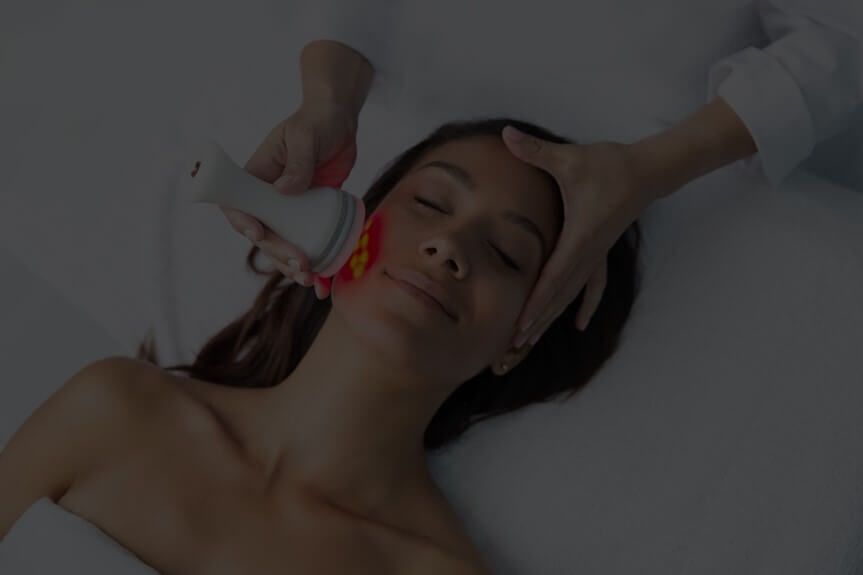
(515, 134)
(285, 181)
(526, 326)
(293, 264)
(535, 338)
(251, 235)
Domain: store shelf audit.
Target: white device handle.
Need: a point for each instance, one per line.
(326, 223)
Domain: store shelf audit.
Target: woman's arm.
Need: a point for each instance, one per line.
(63, 438)
(705, 141)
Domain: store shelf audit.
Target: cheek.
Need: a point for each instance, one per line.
(365, 253)
(498, 310)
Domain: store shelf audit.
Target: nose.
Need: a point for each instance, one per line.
(444, 251)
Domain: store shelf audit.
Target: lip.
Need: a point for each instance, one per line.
(421, 285)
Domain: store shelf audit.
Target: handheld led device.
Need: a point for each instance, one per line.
(326, 223)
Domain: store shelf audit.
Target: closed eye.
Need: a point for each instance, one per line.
(505, 258)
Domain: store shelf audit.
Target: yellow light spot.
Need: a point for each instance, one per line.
(364, 257)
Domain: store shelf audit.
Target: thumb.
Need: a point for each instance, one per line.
(541, 153)
(299, 163)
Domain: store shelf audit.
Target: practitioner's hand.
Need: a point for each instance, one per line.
(603, 193)
(316, 146)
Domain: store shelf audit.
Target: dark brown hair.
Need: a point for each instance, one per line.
(264, 345)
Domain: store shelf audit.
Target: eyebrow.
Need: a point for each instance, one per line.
(469, 183)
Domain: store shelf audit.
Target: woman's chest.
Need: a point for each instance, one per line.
(182, 509)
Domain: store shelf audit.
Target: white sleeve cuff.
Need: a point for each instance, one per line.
(768, 101)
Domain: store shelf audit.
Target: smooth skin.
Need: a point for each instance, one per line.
(149, 458)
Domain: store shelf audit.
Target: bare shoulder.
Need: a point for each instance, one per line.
(121, 389)
(116, 379)
(125, 378)
(125, 396)
(69, 435)
(164, 405)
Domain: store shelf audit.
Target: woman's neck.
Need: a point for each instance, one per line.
(349, 429)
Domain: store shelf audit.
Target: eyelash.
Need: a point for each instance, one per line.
(506, 259)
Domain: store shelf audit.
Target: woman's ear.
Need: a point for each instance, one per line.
(509, 359)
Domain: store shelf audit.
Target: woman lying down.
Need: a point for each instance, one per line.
(296, 441)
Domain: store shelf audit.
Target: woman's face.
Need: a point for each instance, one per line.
(478, 222)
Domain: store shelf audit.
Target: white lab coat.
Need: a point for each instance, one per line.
(801, 90)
